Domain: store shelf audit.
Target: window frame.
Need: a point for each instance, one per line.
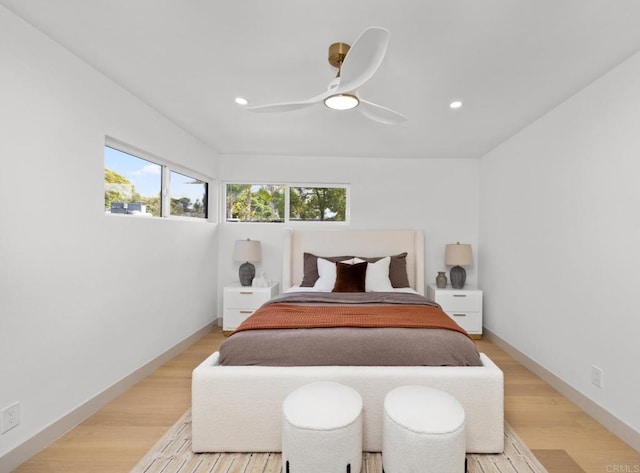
(287, 185)
(167, 167)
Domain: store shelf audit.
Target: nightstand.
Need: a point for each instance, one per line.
(462, 305)
(241, 301)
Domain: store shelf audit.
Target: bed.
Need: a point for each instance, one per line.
(238, 408)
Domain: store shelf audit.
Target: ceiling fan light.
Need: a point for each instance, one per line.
(341, 101)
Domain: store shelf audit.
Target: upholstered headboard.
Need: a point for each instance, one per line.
(353, 242)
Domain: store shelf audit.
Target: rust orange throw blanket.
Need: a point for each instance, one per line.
(285, 316)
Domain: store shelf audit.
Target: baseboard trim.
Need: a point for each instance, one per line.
(619, 428)
(14, 458)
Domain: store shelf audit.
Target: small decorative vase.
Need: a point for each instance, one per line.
(441, 280)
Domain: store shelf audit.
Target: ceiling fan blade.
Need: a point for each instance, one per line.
(288, 106)
(380, 114)
(363, 59)
(279, 107)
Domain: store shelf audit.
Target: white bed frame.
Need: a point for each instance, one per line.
(238, 408)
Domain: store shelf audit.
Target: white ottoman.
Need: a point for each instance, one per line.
(423, 432)
(322, 429)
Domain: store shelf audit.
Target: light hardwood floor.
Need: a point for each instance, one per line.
(564, 438)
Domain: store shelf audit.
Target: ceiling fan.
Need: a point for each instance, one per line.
(356, 65)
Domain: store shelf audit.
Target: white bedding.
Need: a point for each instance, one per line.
(298, 288)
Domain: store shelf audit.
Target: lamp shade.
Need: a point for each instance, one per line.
(247, 250)
(458, 254)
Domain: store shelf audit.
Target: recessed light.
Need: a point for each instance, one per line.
(456, 104)
(241, 101)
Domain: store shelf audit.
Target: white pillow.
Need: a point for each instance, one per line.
(377, 279)
(327, 272)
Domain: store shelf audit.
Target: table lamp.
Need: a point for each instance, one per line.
(247, 251)
(458, 255)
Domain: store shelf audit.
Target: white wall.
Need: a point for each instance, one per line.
(559, 233)
(85, 298)
(438, 196)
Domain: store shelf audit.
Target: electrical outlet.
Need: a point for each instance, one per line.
(596, 376)
(10, 417)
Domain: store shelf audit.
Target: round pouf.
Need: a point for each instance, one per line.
(423, 432)
(322, 429)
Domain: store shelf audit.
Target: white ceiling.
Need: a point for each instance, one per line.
(510, 61)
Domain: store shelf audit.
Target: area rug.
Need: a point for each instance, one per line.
(172, 454)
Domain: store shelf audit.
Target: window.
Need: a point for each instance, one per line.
(255, 203)
(189, 196)
(134, 185)
(317, 204)
(286, 203)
